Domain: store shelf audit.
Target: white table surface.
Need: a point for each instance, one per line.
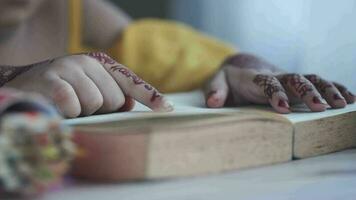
(325, 177)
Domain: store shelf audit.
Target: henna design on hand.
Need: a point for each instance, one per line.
(341, 88)
(116, 67)
(301, 86)
(269, 84)
(8, 73)
(155, 96)
(319, 83)
(126, 72)
(102, 58)
(136, 80)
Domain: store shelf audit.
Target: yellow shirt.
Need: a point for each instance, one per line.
(169, 55)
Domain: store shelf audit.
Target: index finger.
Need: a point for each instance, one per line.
(132, 85)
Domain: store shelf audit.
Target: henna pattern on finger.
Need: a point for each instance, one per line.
(347, 94)
(301, 86)
(319, 83)
(269, 84)
(340, 87)
(116, 67)
(102, 57)
(155, 96)
(136, 80)
(120, 68)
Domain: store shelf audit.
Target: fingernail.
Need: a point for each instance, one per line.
(283, 103)
(337, 97)
(168, 106)
(317, 100)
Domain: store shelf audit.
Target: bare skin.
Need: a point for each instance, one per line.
(33, 41)
(27, 37)
(98, 86)
(247, 79)
(30, 39)
(85, 84)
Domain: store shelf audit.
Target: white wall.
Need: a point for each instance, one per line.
(309, 36)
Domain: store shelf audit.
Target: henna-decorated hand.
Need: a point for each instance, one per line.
(246, 79)
(89, 83)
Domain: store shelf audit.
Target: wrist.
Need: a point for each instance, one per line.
(7, 73)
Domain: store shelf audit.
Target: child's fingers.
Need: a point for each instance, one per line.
(65, 98)
(132, 85)
(128, 105)
(329, 92)
(112, 94)
(303, 89)
(274, 91)
(216, 91)
(350, 98)
(138, 89)
(89, 95)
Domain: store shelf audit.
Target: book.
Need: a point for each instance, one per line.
(194, 140)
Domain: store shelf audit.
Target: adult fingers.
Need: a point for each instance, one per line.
(132, 85)
(303, 89)
(350, 98)
(216, 91)
(329, 92)
(274, 91)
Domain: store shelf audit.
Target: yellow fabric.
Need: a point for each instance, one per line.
(169, 55)
(75, 34)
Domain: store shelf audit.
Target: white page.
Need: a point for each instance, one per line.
(192, 103)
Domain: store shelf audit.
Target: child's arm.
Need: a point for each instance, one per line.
(246, 79)
(85, 84)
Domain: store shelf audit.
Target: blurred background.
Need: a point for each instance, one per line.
(305, 36)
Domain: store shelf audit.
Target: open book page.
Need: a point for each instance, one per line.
(189, 103)
(193, 103)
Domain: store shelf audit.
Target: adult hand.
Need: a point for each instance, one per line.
(247, 79)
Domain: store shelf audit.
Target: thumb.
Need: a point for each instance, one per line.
(216, 91)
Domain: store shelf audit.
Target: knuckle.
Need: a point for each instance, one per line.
(83, 60)
(68, 64)
(262, 79)
(97, 54)
(292, 78)
(47, 74)
(270, 85)
(102, 57)
(61, 92)
(313, 78)
(297, 76)
(341, 87)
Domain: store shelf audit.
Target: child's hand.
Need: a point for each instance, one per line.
(89, 83)
(246, 79)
